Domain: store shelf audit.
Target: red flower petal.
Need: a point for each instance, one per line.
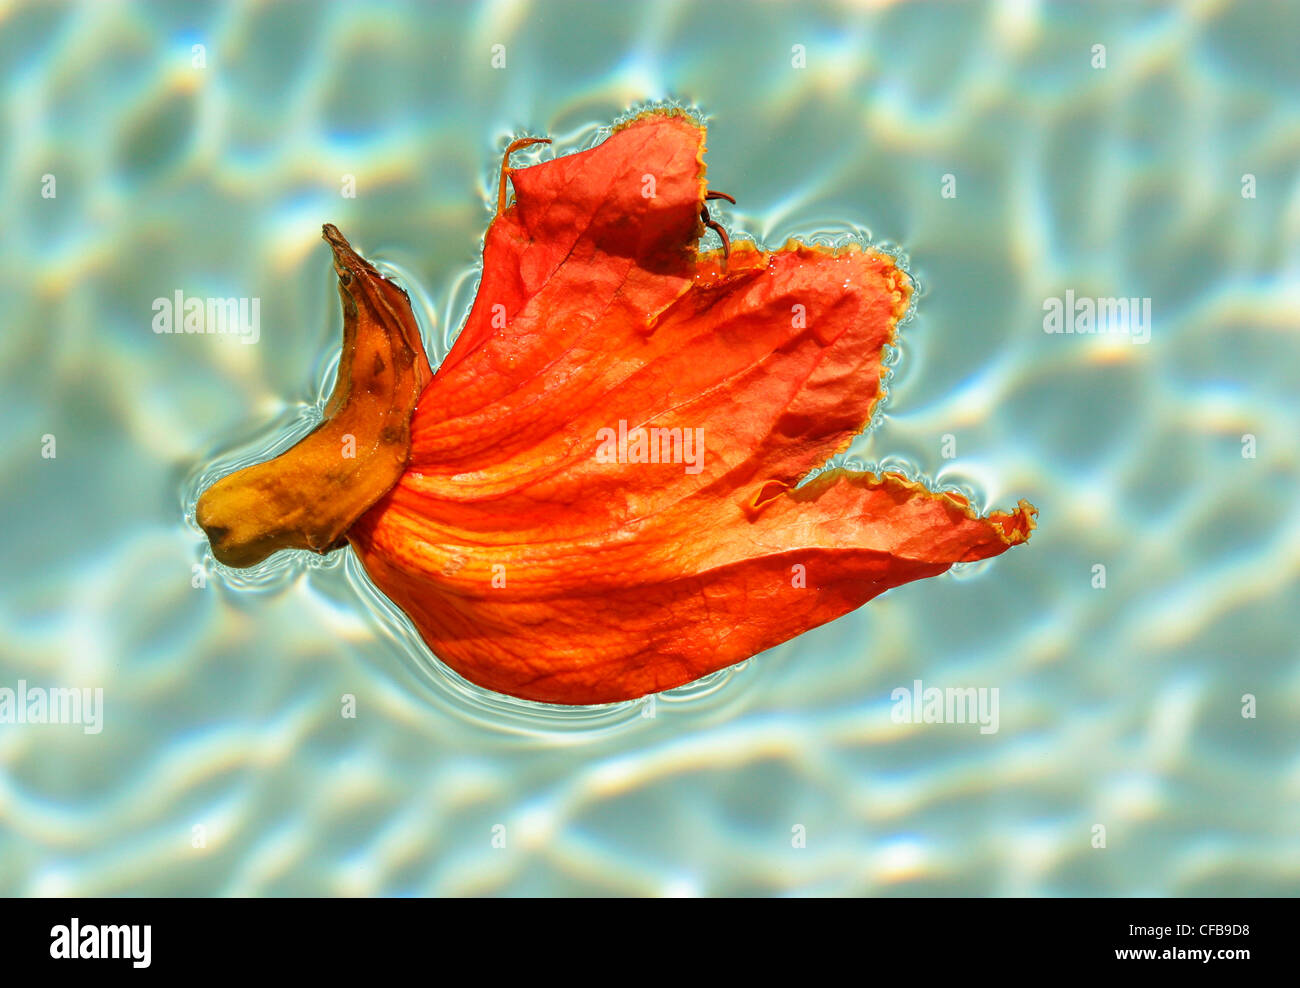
(539, 554)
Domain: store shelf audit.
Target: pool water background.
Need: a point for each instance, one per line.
(225, 767)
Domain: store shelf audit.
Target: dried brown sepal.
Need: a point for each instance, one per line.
(308, 496)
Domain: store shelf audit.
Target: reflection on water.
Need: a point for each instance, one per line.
(227, 764)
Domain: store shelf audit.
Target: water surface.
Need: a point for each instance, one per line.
(224, 766)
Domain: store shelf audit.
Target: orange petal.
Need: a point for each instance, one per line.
(540, 560)
(657, 605)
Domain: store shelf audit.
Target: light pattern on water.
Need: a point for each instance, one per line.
(1118, 706)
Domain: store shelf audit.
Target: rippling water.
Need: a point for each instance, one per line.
(224, 765)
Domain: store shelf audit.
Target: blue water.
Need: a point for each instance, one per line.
(224, 765)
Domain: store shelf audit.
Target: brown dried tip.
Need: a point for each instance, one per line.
(308, 496)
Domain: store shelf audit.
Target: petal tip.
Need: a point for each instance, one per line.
(1016, 526)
